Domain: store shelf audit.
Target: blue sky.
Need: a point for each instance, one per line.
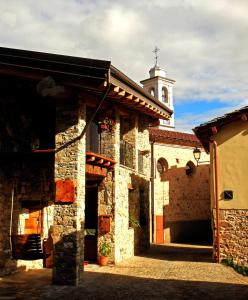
(203, 44)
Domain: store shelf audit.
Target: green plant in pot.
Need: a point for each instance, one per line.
(104, 251)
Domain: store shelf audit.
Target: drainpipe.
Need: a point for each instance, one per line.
(91, 118)
(216, 192)
(152, 188)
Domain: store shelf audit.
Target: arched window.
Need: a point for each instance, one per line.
(152, 91)
(162, 166)
(165, 98)
(190, 168)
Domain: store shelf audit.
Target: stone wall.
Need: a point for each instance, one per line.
(31, 184)
(68, 229)
(234, 235)
(132, 198)
(106, 207)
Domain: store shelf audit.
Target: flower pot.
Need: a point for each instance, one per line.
(103, 126)
(103, 260)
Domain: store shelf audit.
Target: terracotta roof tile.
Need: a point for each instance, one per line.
(173, 137)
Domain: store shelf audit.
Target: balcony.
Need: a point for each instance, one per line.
(98, 165)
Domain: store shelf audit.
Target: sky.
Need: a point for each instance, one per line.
(203, 44)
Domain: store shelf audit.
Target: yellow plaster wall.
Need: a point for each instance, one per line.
(232, 143)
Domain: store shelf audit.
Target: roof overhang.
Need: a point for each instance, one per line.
(158, 77)
(205, 132)
(82, 72)
(89, 74)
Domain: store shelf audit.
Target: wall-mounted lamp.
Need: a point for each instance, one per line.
(144, 152)
(197, 156)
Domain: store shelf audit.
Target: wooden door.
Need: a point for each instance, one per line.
(34, 224)
(159, 229)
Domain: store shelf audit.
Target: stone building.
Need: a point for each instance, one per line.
(180, 198)
(74, 162)
(225, 138)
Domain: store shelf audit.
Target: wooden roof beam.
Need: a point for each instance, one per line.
(100, 161)
(107, 164)
(121, 93)
(129, 96)
(243, 117)
(90, 159)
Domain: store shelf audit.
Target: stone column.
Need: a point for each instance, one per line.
(68, 229)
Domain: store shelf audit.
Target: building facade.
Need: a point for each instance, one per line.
(225, 138)
(74, 158)
(180, 197)
(161, 88)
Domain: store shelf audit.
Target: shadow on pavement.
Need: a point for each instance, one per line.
(110, 286)
(98, 285)
(179, 252)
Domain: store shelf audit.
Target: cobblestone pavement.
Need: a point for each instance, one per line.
(164, 272)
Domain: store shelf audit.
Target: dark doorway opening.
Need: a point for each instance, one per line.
(91, 222)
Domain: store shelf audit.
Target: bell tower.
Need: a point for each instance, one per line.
(161, 87)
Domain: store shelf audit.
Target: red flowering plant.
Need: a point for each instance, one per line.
(106, 124)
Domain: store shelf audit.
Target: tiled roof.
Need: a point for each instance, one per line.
(204, 132)
(225, 118)
(173, 137)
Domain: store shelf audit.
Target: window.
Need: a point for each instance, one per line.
(190, 168)
(162, 165)
(152, 91)
(165, 95)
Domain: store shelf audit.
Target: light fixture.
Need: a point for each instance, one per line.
(197, 156)
(144, 152)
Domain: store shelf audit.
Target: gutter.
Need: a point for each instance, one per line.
(91, 118)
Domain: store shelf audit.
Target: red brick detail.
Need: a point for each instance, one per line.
(65, 191)
(159, 230)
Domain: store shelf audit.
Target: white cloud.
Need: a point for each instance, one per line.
(203, 43)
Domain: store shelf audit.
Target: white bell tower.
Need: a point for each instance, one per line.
(161, 87)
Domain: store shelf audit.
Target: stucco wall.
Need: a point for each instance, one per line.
(232, 143)
(232, 149)
(180, 198)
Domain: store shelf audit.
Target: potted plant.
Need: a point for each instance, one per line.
(104, 252)
(106, 124)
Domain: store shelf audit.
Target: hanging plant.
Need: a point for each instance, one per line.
(106, 124)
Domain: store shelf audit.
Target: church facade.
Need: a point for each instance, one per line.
(180, 197)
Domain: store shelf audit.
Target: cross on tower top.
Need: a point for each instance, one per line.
(156, 55)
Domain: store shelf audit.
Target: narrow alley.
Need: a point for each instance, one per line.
(173, 271)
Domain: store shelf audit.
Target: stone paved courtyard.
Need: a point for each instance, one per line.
(164, 272)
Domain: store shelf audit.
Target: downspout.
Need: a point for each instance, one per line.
(152, 188)
(216, 194)
(91, 118)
